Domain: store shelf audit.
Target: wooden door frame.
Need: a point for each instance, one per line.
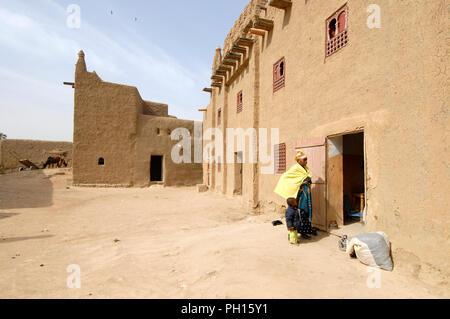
(357, 131)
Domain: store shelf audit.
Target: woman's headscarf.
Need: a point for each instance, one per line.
(300, 155)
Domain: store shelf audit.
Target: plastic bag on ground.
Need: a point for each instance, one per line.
(372, 249)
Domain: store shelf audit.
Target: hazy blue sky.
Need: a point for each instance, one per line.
(166, 53)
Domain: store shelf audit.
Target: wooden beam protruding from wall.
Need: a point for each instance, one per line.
(257, 32)
(233, 56)
(209, 90)
(217, 85)
(229, 62)
(224, 67)
(245, 42)
(280, 4)
(263, 24)
(238, 49)
(217, 78)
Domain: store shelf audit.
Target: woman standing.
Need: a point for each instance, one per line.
(296, 183)
(304, 200)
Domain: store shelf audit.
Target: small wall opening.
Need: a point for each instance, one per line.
(156, 168)
(238, 160)
(332, 29)
(101, 161)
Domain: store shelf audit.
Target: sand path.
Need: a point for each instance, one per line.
(165, 243)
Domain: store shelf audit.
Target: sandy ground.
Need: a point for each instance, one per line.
(166, 243)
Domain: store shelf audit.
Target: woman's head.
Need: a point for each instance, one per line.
(301, 158)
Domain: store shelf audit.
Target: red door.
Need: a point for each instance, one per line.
(315, 149)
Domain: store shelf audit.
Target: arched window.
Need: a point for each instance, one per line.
(337, 35)
(101, 161)
(279, 72)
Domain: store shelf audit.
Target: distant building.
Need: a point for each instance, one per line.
(121, 140)
(362, 91)
(37, 152)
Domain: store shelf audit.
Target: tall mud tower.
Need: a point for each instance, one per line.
(105, 120)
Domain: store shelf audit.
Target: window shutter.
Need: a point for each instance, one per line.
(280, 158)
(279, 73)
(340, 40)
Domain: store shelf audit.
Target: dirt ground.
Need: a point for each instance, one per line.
(166, 243)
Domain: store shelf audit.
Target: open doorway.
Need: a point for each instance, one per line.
(156, 168)
(346, 179)
(354, 181)
(238, 159)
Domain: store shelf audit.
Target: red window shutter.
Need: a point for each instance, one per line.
(342, 21)
(280, 158)
(239, 102)
(279, 74)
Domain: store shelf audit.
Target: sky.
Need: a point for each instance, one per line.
(164, 48)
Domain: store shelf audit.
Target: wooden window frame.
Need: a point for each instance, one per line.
(240, 102)
(279, 80)
(340, 40)
(279, 158)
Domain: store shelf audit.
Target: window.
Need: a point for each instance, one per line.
(101, 161)
(239, 102)
(169, 132)
(279, 73)
(158, 131)
(337, 36)
(280, 158)
(219, 116)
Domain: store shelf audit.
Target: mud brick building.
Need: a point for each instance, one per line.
(367, 101)
(121, 140)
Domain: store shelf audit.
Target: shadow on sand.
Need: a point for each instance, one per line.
(6, 215)
(28, 189)
(14, 239)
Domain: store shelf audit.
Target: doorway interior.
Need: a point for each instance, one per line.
(346, 178)
(238, 160)
(156, 168)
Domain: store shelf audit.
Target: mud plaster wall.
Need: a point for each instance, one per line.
(33, 150)
(149, 142)
(393, 83)
(112, 122)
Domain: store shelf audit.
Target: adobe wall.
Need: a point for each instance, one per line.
(392, 82)
(104, 127)
(154, 108)
(154, 138)
(33, 150)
